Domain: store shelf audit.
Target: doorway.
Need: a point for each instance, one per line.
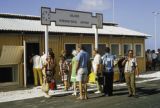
(31, 48)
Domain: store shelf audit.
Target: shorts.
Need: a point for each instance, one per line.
(82, 74)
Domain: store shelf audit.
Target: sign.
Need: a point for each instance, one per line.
(72, 18)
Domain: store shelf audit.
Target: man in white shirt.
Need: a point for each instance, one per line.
(37, 69)
(96, 68)
(131, 68)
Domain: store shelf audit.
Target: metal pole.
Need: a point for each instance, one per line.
(46, 39)
(96, 37)
(155, 31)
(113, 11)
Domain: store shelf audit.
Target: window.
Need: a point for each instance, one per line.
(88, 48)
(8, 74)
(101, 49)
(69, 48)
(138, 50)
(126, 47)
(115, 49)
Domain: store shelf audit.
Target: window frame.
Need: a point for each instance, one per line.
(127, 44)
(142, 53)
(69, 44)
(106, 45)
(119, 45)
(91, 47)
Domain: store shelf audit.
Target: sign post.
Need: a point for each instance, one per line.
(71, 18)
(46, 40)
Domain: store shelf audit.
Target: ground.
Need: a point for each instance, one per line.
(148, 97)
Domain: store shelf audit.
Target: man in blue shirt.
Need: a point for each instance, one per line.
(82, 71)
(108, 64)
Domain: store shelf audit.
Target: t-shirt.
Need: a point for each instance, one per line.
(82, 58)
(108, 61)
(37, 61)
(154, 55)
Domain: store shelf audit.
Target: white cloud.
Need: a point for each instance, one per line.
(94, 5)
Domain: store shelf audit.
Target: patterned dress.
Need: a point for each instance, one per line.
(50, 70)
(64, 69)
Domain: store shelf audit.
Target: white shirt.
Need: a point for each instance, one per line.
(43, 59)
(96, 61)
(154, 55)
(37, 61)
(129, 65)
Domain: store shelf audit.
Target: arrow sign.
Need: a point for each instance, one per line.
(72, 18)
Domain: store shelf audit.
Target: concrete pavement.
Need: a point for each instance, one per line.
(36, 92)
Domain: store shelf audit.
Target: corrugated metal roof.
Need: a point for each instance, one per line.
(17, 24)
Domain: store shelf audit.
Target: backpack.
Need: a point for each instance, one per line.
(108, 63)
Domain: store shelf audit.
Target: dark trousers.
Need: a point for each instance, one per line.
(121, 75)
(108, 83)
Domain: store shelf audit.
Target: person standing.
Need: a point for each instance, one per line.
(53, 84)
(37, 69)
(82, 71)
(154, 60)
(96, 69)
(49, 74)
(131, 68)
(73, 75)
(121, 69)
(158, 59)
(148, 60)
(64, 72)
(108, 72)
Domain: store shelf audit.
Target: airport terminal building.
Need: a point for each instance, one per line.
(23, 33)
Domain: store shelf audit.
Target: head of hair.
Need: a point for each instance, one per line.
(107, 50)
(95, 50)
(82, 47)
(130, 50)
(153, 51)
(51, 52)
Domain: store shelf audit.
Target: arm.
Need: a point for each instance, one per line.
(124, 61)
(77, 66)
(60, 67)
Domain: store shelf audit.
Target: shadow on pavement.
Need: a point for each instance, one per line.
(147, 91)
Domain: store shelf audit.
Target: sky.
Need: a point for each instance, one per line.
(132, 14)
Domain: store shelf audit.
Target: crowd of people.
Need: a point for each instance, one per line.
(152, 60)
(44, 69)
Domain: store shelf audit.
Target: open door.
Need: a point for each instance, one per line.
(30, 49)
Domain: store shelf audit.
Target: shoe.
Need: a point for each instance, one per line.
(74, 94)
(106, 95)
(47, 95)
(129, 95)
(97, 92)
(135, 96)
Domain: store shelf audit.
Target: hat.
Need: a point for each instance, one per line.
(74, 52)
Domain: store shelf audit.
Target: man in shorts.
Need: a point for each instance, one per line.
(82, 71)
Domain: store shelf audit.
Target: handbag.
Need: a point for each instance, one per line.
(45, 87)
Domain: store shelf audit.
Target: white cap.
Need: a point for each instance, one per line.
(74, 52)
